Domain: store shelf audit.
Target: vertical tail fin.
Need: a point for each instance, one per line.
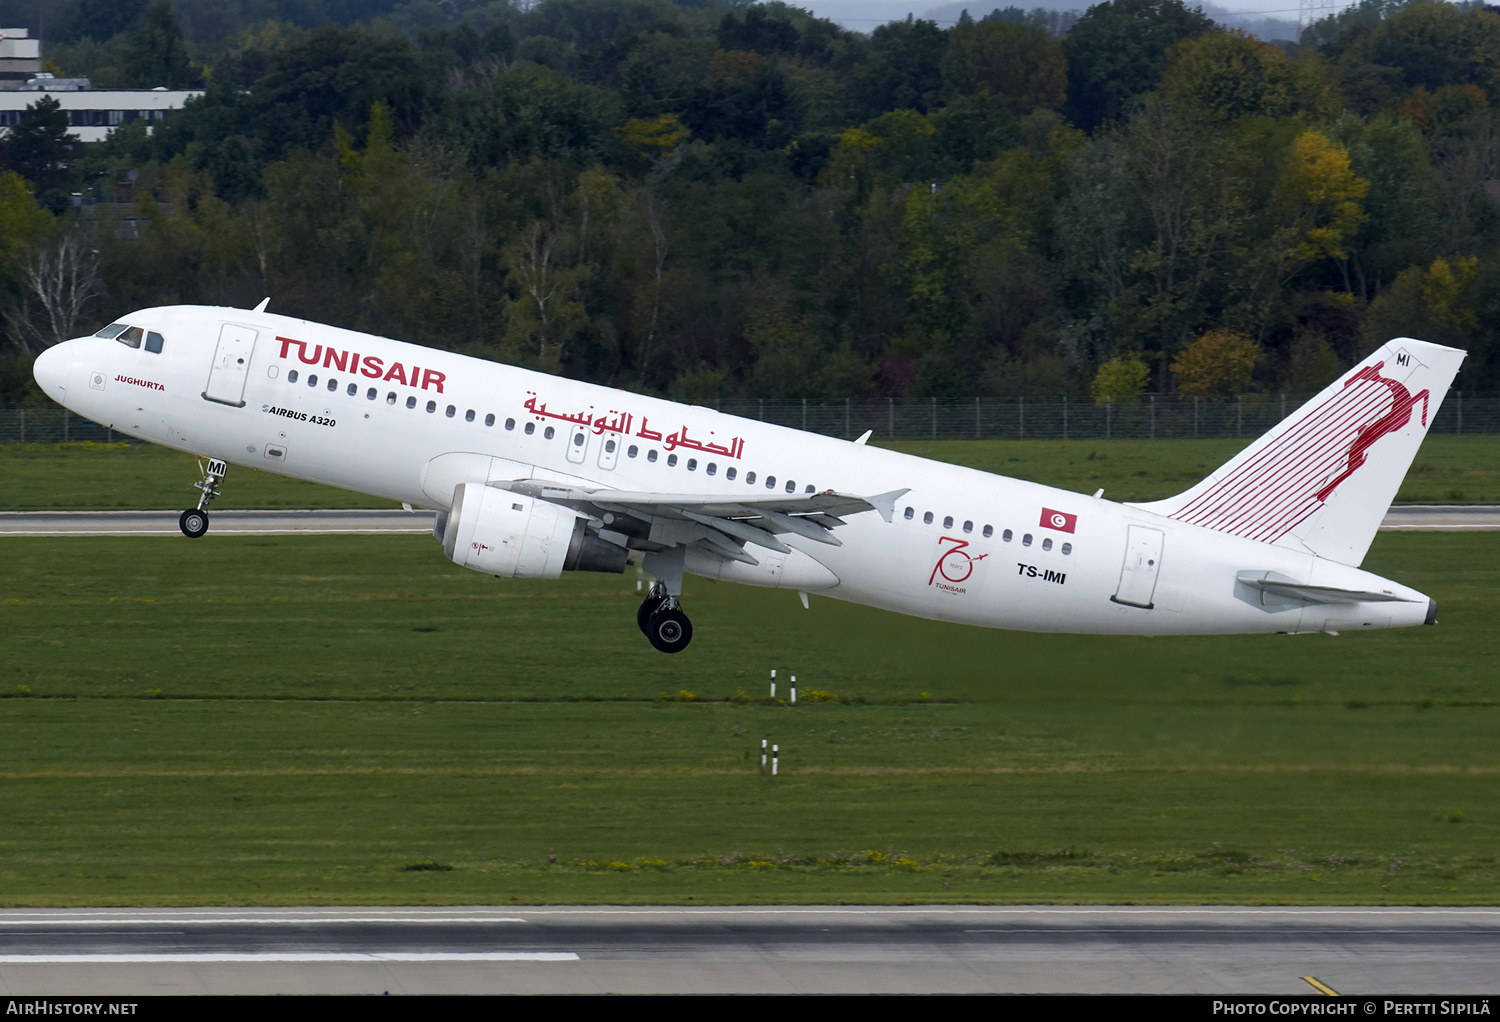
(1323, 478)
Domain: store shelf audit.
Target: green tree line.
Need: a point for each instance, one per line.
(708, 200)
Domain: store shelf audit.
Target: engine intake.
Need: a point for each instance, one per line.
(513, 536)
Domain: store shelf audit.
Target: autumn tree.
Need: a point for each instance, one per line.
(1217, 365)
(1122, 378)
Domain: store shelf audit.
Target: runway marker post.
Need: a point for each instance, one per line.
(794, 690)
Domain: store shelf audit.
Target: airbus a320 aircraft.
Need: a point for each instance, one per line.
(532, 475)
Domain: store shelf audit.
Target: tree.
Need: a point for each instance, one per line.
(1122, 378)
(21, 223)
(1217, 366)
(1434, 44)
(1020, 65)
(41, 150)
(62, 278)
(1222, 76)
(99, 19)
(905, 72)
(158, 55)
(1118, 51)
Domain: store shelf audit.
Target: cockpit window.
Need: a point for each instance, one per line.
(112, 331)
(154, 342)
(132, 336)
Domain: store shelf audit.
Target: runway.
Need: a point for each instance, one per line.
(562, 950)
(1409, 518)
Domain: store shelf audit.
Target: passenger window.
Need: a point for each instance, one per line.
(312, 381)
(1026, 540)
(530, 428)
(291, 376)
(729, 473)
(632, 451)
(968, 526)
(353, 389)
(651, 454)
(510, 423)
(411, 402)
(948, 522)
(711, 468)
(927, 518)
(989, 530)
(810, 489)
(1067, 548)
(671, 461)
(791, 486)
(749, 478)
(770, 482)
(1047, 543)
(469, 415)
(390, 398)
(548, 433)
(132, 337)
(911, 513)
(431, 407)
(370, 394)
(1006, 535)
(333, 385)
(609, 447)
(154, 342)
(448, 412)
(489, 420)
(577, 439)
(692, 465)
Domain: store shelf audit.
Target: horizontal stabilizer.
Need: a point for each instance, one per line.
(1280, 585)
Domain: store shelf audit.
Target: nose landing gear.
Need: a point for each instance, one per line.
(194, 521)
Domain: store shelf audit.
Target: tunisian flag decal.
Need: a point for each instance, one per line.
(1057, 520)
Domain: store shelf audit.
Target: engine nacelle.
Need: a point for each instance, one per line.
(514, 536)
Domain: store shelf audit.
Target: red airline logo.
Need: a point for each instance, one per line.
(1058, 520)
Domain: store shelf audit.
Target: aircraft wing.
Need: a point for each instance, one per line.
(725, 524)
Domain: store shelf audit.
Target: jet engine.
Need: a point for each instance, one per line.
(509, 535)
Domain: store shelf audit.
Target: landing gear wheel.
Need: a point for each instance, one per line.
(649, 606)
(669, 630)
(193, 523)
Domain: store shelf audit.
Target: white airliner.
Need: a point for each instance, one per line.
(532, 475)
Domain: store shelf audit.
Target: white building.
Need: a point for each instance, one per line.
(91, 112)
(20, 57)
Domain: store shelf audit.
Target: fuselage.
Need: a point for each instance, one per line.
(376, 416)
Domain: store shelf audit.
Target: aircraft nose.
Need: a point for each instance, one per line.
(51, 370)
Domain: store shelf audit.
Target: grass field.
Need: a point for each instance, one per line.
(1448, 470)
(353, 719)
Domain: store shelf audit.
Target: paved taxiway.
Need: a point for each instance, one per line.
(1025, 949)
(1411, 518)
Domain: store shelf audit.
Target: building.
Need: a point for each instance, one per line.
(20, 58)
(92, 113)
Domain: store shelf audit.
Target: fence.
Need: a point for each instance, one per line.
(1061, 418)
(1010, 418)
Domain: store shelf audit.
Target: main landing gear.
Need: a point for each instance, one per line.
(663, 621)
(194, 521)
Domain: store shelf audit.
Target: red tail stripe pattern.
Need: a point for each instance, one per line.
(1280, 486)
